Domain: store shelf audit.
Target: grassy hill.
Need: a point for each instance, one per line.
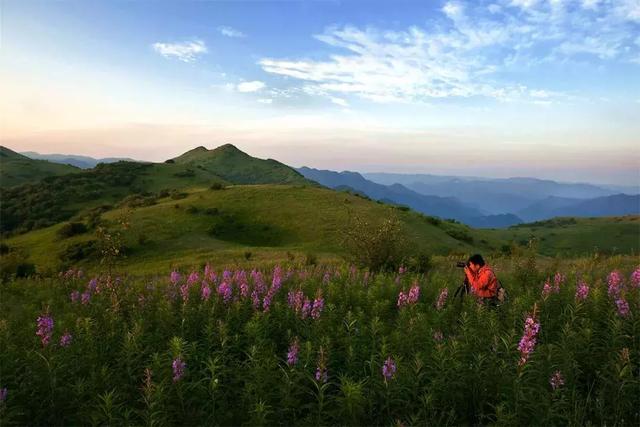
(576, 236)
(59, 198)
(270, 221)
(16, 169)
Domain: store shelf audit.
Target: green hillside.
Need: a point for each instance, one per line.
(16, 169)
(266, 220)
(575, 236)
(58, 198)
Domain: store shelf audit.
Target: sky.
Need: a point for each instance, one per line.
(500, 88)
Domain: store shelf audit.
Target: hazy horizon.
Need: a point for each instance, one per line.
(496, 88)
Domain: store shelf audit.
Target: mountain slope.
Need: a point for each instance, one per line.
(16, 169)
(443, 207)
(211, 225)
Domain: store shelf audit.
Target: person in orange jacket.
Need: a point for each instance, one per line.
(481, 277)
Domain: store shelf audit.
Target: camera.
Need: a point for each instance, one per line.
(461, 264)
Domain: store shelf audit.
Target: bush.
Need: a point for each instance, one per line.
(79, 251)
(217, 186)
(71, 229)
(376, 246)
(177, 195)
(310, 259)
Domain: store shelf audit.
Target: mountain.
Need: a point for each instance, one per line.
(496, 196)
(235, 166)
(16, 169)
(443, 207)
(82, 162)
(58, 198)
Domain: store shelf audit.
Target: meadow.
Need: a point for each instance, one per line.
(296, 344)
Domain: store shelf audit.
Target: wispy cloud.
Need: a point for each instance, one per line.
(464, 51)
(253, 86)
(186, 51)
(231, 32)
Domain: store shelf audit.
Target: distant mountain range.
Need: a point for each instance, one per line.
(82, 162)
(443, 207)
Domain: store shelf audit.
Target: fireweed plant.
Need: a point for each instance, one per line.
(300, 345)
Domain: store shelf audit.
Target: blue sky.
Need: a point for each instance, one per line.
(547, 88)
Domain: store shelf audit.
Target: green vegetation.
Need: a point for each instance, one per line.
(16, 169)
(267, 220)
(238, 348)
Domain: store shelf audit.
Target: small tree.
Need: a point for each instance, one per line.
(377, 245)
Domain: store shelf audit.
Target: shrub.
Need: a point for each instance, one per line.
(71, 229)
(376, 246)
(79, 251)
(217, 186)
(310, 259)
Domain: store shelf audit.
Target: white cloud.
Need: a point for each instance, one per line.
(186, 51)
(339, 101)
(253, 86)
(230, 32)
(265, 100)
(461, 54)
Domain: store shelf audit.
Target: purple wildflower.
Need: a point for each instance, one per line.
(255, 298)
(75, 296)
(326, 278)
(276, 282)
(178, 369)
(582, 291)
(184, 291)
(402, 299)
(92, 285)
(65, 340)
(86, 297)
(45, 328)
(402, 270)
(414, 294)
(556, 380)
(614, 280)
(306, 308)
(318, 305)
(193, 278)
(225, 291)
(292, 354)
(321, 374)
(295, 300)
(546, 289)
(266, 302)
(635, 278)
(388, 368)
(3, 394)
(558, 280)
(205, 291)
(442, 299)
(623, 307)
(528, 340)
(209, 274)
(175, 277)
(437, 336)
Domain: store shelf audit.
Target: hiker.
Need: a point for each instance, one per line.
(482, 280)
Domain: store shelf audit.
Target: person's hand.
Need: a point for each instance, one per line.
(467, 271)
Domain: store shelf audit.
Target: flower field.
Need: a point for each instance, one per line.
(320, 345)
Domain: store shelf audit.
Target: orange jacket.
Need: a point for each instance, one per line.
(484, 282)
